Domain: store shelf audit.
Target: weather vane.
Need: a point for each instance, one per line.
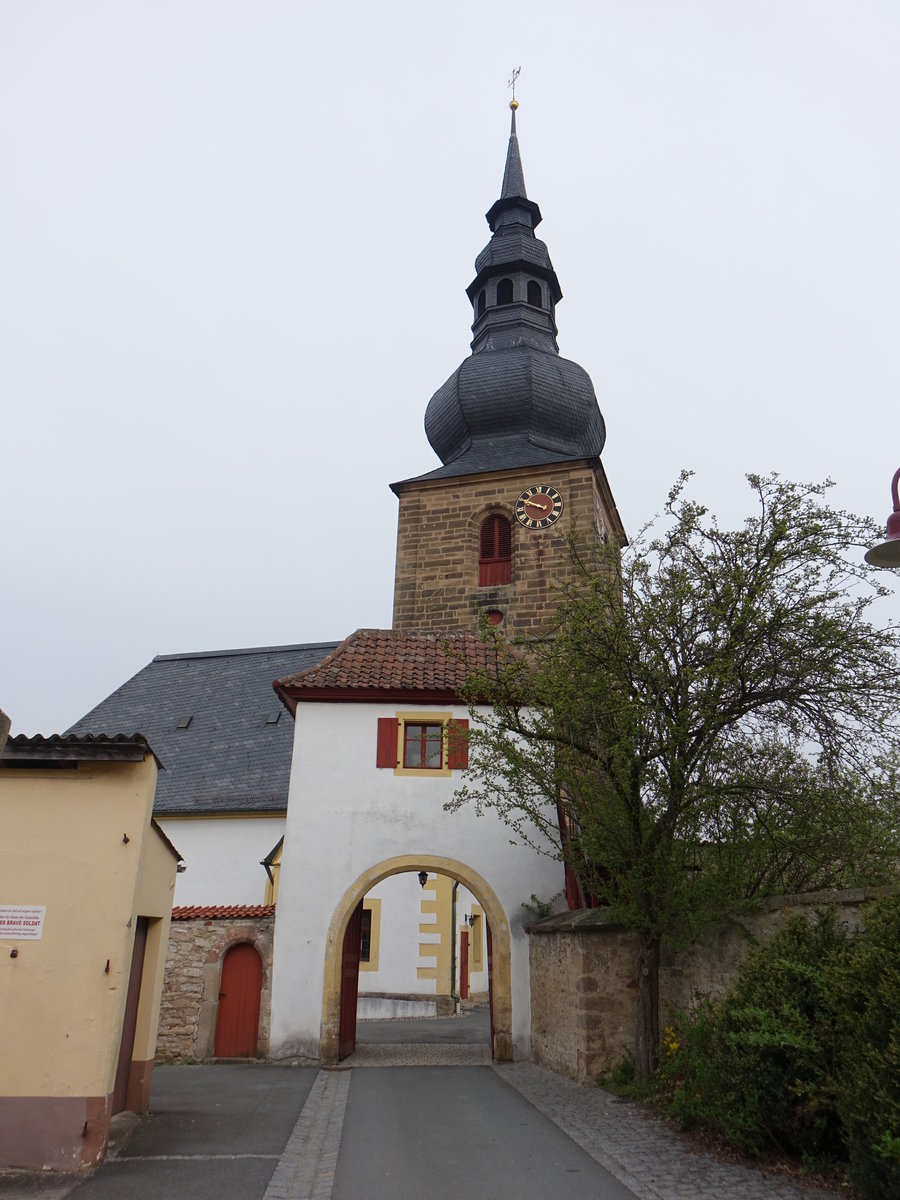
(517, 71)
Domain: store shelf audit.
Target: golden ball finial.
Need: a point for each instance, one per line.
(514, 104)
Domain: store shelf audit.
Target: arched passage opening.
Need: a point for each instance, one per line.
(499, 952)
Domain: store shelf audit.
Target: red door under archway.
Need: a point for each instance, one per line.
(237, 1027)
(350, 983)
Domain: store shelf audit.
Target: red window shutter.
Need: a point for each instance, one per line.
(458, 745)
(386, 749)
(487, 540)
(503, 537)
(495, 551)
(493, 574)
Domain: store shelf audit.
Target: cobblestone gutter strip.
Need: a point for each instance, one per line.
(306, 1169)
(639, 1151)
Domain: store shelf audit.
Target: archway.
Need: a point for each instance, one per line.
(498, 926)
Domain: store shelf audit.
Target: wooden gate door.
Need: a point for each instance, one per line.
(129, 1025)
(237, 1025)
(464, 964)
(490, 958)
(350, 983)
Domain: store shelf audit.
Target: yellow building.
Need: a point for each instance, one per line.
(86, 886)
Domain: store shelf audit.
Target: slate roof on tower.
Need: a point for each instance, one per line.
(222, 738)
(378, 664)
(514, 402)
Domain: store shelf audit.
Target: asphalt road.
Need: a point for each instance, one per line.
(450, 1132)
(213, 1133)
(234, 1132)
(465, 1028)
(266, 1132)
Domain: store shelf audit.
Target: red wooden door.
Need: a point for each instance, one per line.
(129, 1025)
(464, 964)
(237, 1026)
(490, 958)
(350, 983)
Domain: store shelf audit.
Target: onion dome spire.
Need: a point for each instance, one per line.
(514, 401)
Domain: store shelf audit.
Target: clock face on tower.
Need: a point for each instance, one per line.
(539, 506)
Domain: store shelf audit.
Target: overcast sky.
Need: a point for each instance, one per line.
(235, 240)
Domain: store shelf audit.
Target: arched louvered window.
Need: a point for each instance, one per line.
(505, 291)
(495, 551)
(482, 301)
(534, 293)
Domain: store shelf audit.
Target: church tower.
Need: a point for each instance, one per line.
(519, 435)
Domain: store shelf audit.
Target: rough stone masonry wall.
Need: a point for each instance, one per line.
(190, 996)
(438, 527)
(584, 986)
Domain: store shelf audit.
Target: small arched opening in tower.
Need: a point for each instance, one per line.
(495, 551)
(482, 303)
(535, 298)
(504, 292)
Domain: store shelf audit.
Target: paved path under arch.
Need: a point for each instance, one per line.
(511, 1130)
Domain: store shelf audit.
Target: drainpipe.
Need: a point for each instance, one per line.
(453, 993)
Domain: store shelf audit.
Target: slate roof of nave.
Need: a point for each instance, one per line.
(393, 660)
(220, 734)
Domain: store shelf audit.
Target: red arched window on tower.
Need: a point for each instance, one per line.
(495, 551)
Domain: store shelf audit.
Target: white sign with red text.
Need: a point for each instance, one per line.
(22, 922)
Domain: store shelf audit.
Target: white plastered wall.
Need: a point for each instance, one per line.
(346, 816)
(398, 938)
(222, 857)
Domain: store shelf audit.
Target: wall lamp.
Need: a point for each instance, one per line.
(423, 878)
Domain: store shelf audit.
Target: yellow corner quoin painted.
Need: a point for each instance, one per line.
(493, 910)
(81, 843)
(374, 906)
(441, 950)
(422, 718)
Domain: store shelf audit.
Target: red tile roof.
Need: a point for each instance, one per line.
(221, 912)
(374, 662)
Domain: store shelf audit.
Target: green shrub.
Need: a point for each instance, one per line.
(692, 1081)
(758, 1067)
(803, 1054)
(865, 992)
(622, 1080)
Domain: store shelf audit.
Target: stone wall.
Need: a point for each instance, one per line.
(190, 997)
(584, 986)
